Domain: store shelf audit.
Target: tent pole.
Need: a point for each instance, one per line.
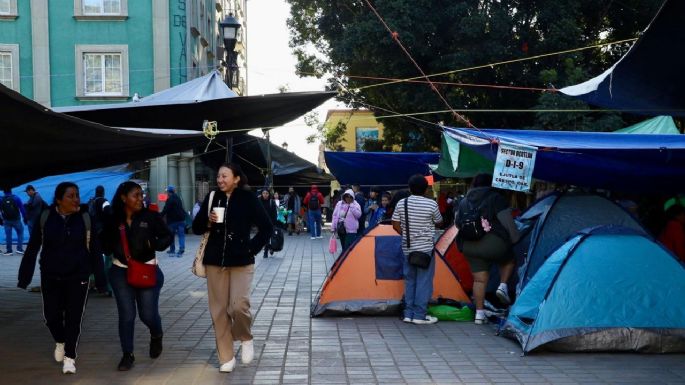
(269, 171)
(229, 149)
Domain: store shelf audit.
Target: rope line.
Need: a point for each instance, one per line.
(457, 84)
(396, 38)
(501, 63)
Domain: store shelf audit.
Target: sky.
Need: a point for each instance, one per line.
(271, 64)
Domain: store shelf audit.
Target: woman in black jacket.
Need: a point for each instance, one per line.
(271, 211)
(68, 257)
(229, 257)
(145, 232)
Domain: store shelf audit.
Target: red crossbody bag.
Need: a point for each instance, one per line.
(139, 275)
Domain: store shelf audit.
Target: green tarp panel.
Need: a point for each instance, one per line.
(458, 161)
(662, 125)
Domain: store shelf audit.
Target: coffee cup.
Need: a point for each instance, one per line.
(219, 212)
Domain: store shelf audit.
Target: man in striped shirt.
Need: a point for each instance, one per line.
(423, 215)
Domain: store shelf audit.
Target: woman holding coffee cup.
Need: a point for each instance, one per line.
(229, 258)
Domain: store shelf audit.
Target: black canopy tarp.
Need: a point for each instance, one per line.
(288, 168)
(649, 78)
(187, 105)
(36, 142)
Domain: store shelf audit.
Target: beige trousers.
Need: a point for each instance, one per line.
(229, 303)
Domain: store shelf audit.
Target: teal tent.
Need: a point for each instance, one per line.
(605, 289)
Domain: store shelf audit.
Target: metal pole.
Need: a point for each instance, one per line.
(269, 171)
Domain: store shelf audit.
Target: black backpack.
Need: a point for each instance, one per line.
(10, 211)
(469, 221)
(313, 203)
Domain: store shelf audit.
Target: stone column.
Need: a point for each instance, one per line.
(40, 42)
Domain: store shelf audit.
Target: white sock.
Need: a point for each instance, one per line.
(480, 314)
(503, 287)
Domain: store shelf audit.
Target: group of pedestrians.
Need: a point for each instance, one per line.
(71, 248)
(72, 244)
(14, 214)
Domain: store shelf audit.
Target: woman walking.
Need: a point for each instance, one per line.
(229, 258)
(133, 234)
(347, 212)
(68, 256)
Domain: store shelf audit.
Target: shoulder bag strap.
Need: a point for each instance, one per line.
(209, 205)
(124, 241)
(406, 219)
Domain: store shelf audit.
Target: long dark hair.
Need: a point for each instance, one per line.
(118, 210)
(61, 189)
(237, 171)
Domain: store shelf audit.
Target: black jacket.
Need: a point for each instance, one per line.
(63, 250)
(173, 209)
(270, 208)
(229, 243)
(148, 233)
(490, 202)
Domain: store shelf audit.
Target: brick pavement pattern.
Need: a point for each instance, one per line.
(290, 347)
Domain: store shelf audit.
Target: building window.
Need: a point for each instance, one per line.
(362, 134)
(101, 9)
(9, 66)
(8, 9)
(102, 71)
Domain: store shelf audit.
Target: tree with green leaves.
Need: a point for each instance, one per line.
(345, 41)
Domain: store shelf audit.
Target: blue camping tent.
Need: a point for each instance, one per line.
(109, 178)
(626, 162)
(648, 79)
(605, 289)
(379, 168)
(559, 216)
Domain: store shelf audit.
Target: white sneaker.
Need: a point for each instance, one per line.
(406, 319)
(503, 297)
(426, 321)
(69, 366)
(59, 352)
(247, 351)
(312, 237)
(480, 318)
(228, 366)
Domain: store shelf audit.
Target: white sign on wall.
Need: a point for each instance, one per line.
(514, 167)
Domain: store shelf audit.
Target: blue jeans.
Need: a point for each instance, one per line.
(147, 301)
(314, 222)
(418, 289)
(180, 229)
(19, 228)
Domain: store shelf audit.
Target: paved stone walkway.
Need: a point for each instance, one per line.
(290, 347)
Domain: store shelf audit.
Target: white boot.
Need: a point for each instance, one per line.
(228, 366)
(247, 351)
(69, 366)
(59, 352)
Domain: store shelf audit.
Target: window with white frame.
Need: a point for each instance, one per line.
(101, 9)
(102, 71)
(8, 9)
(5, 7)
(9, 66)
(6, 69)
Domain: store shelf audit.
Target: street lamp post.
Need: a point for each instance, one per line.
(229, 32)
(229, 28)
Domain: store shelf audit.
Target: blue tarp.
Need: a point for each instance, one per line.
(109, 178)
(627, 162)
(378, 168)
(649, 78)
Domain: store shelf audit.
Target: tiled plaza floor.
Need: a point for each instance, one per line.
(290, 347)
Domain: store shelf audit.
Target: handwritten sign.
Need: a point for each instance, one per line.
(514, 167)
